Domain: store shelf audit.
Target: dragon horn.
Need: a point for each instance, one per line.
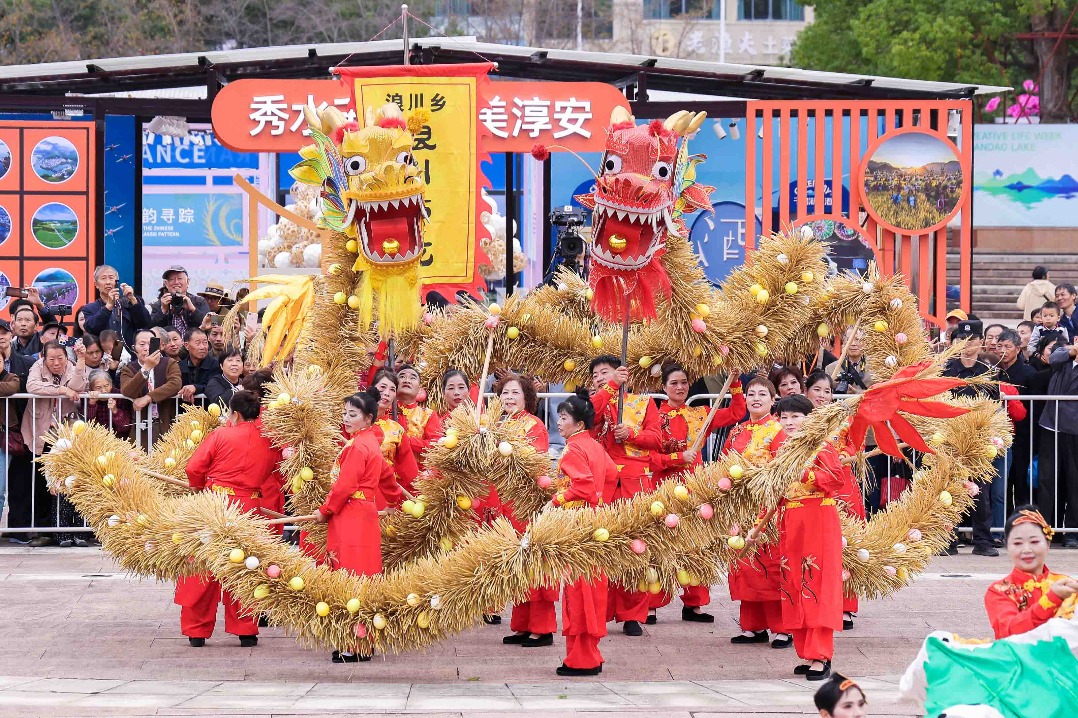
(694, 123)
(311, 114)
(672, 121)
(620, 114)
(368, 117)
(332, 118)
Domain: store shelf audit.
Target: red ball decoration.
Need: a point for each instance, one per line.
(638, 546)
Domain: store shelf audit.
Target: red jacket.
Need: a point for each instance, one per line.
(583, 470)
(1021, 602)
(679, 427)
(423, 425)
(640, 416)
(233, 457)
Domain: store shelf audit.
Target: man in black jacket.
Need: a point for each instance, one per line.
(1057, 492)
(967, 366)
(1015, 370)
(199, 367)
(177, 306)
(118, 307)
(20, 485)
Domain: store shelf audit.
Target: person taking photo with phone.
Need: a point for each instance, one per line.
(151, 382)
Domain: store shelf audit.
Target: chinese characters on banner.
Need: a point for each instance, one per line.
(446, 148)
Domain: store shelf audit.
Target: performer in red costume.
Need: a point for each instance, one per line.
(233, 461)
(396, 446)
(455, 391)
(422, 423)
(679, 425)
(273, 497)
(353, 539)
(755, 580)
(629, 444)
(535, 620)
(1031, 594)
(584, 470)
(810, 542)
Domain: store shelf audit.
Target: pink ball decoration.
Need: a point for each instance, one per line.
(845, 543)
(287, 452)
(890, 570)
(273, 570)
(361, 630)
(428, 319)
(901, 338)
(972, 488)
(421, 396)
(638, 546)
(998, 442)
(706, 512)
(725, 484)
(735, 530)
(724, 350)
(845, 575)
(914, 534)
(671, 521)
(491, 322)
(190, 559)
(544, 481)
(699, 326)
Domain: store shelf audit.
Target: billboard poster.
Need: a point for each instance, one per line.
(47, 203)
(1024, 176)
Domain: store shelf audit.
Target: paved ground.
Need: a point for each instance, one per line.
(85, 640)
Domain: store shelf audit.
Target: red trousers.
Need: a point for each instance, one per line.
(762, 616)
(537, 615)
(198, 597)
(814, 644)
(627, 605)
(849, 604)
(583, 607)
(691, 596)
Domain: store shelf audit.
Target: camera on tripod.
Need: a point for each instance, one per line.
(570, 248)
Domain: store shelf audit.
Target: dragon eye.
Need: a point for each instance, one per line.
(611, 165)
(661, 170)
(405, 158)
(355, 164)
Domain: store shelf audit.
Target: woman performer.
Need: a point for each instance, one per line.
(810, 542)
(1031, 594)
(787, 380)
(680, 425)
(840, 698)
(455, 391)
(820, 388)
(233, 461)
(535, 620)
(396, 446)
(755, 581)
(583, 470)
(423, 425)
(353, 539)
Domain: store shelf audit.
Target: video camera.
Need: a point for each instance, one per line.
(60, 310)
(570, 248)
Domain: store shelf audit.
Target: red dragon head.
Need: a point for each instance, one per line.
(646, 183)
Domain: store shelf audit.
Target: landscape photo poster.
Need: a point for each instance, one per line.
(1024, 175)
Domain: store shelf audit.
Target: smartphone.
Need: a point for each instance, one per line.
(117, 350)
(155, 345)
(215, 319)
(15, 292)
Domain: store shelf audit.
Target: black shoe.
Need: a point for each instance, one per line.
(985, 551)
(492, 619)
(756, 637)
(1070, 542)
(336, 657)
(82, 543)
(802, 669)
(67, 543)
(363, 658)
(951, 550)
(263, 622)
(997, 542)
(782, 642)
(631, 628)
(351, 657)
(651, 620)
(248, 641)
(41, 541)
(545, 639)
(688, 614)
(847, 623)
(197, 642)
(20, 539)
(811, 675)
(564, 670)
(515, 639)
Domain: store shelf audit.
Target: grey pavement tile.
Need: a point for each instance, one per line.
(71, 685)
(267, 704)
(32, 698)
(356, 704)
(575, 701)
(560, 687)
(377, 690)
(242, 688)
(467, 689)
(627, 688)
(463, 703)
(163, 688)
(142, 700)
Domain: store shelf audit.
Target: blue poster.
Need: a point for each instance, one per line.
(719, 240)
(198, 151)
(210, 219)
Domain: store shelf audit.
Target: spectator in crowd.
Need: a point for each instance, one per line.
(853, 377)
(89, 357)
(78, 327)
(117, 307)
(788, 380)
(967, 366)
(1065, 298)
(1057, 492)
(24, 323)
(51, 376)
(216, 337)
(1016, 371)
(117, 414)
(151, 380)
(199, 367)
(991, 338)
(1036, 292)
(1050, 322)
(953, 318)
(19, 470)
(177, 306)
(51, 332)
(221, 387)
(109, 339)
(173, 348)
(214, 293)
(1042, 376)
(1025, 331)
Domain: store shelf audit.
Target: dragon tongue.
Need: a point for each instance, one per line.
(637, 236)
(390, 236)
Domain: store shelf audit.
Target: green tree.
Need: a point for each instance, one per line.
(975, 41)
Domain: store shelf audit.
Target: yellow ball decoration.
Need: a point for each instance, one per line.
(296, 583)
(170, 463)
(569, 365)
(340, 297)
(512, 332)
(589, 294)
(880, 326)
(755, 289)
(761, 349)
(189, 444)
(351, 245)
(412, 599)
(418, 509)
(597, 341)
(379, 621)
(697, 351)
(423, 620)
(992, 452)
(903, 573)
(464, 502)
(681, 492)
(450, 441)
(335, 268)
(936, 438)
(297, 485)
(284, 397)
(142, 520)
(807, 277)
(683, 577)
(102, 461)
(354, 302)
(446, 543)
(236, 555)
(657, 508)
(655, 588)
(736, 543)
(641, 586)
(177, 538)
(791, 287)
(736, 471)
(408, 506)
(78, 427)
(353, 605)
(214, 410)
(306, 473)
(261, 591)
(645, 361)
(196, 435)
(945, 498)
(763, 296)
(703, 310)
(823, 331)
(495, 309)
(321, 608)
(651, 575)
(601, 535)
(108, 479)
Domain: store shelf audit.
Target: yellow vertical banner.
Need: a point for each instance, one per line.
(447, 150)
